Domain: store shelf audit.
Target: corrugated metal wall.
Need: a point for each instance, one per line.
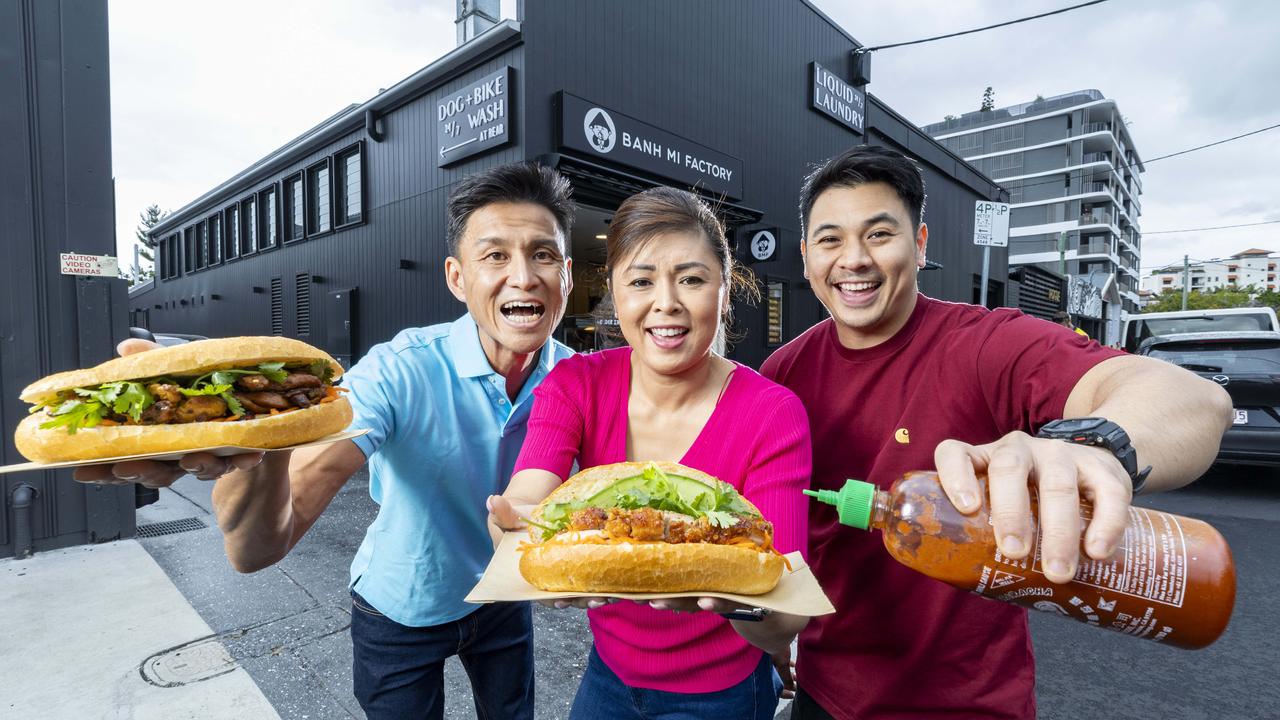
(55, 196)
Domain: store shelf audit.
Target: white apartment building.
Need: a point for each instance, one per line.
(1072, 173)
(1252, 267)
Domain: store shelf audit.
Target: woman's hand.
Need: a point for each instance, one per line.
(581, 603)
(772, 632)
(696, 604)
(505, 516)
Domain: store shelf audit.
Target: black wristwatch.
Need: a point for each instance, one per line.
(1102, 433)
(750, 615)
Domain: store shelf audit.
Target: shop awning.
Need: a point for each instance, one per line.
(601, 186)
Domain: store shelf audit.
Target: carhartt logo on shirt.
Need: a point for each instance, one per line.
(903, 436)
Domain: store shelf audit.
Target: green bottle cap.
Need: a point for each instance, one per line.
(853, 502)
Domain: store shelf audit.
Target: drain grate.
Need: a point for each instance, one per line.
(170, 527)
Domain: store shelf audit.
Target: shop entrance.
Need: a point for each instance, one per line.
(588, 320)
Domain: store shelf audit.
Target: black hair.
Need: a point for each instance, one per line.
(524, 182)
(648, 215)
(864, 164)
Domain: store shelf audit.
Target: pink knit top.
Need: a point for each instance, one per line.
(757, 439)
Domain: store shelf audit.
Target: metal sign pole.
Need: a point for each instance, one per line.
(986, 268)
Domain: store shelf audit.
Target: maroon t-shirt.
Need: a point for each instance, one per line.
(902, 645)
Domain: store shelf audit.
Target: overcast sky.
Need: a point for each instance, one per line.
(199, 91)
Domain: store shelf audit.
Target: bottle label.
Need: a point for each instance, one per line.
(1148, 569)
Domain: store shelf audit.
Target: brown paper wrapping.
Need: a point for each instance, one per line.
(797, 592)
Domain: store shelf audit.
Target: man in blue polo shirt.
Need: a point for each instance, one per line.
(446, 408)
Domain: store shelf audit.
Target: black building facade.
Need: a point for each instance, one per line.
(338, 237)
(56, 197)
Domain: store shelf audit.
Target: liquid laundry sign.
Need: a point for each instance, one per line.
(837, 99)
(599, 131)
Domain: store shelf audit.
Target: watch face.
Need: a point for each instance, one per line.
(1075, 425)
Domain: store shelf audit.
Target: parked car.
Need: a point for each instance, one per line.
(165, 339)
(1139, 328)
(1247, 365)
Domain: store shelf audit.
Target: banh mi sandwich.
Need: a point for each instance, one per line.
(649, 527)
(258, 392)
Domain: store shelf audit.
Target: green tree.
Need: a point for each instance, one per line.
(988, 100)
(147, 219)
(1227, 297)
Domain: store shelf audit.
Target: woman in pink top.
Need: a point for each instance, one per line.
(668, 396)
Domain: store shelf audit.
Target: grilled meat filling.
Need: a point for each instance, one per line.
(257, 394)
(647, 524)
(201, 408)
(294, 381)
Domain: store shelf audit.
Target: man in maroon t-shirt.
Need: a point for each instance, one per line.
(896, 381)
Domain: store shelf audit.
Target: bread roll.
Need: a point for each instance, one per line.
(579, 562)
(188, 360)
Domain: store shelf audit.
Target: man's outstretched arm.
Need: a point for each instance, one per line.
(1174, 419)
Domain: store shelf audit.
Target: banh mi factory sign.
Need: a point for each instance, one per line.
(608, 134)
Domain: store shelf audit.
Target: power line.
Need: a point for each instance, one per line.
(1219, 227)
(1201, 147)
(976, 30)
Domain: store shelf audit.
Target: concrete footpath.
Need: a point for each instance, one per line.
(100, 632)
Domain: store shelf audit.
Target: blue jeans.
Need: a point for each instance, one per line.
(398, 671)
(602, 694)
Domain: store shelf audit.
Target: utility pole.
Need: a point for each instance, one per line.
(1062, 253)
(1186, 279)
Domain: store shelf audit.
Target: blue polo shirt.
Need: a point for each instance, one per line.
(443, 437)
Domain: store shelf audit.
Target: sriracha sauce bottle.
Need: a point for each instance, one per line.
(1171, 579)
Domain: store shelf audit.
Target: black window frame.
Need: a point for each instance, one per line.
(308, 183)
(273, 222)
(338, 182)
(188, 249)
(249, 222)
(287, 197)
(202, 245)
(214, 223)
(231, 232)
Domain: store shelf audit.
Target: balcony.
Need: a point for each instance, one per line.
(1093, 128)
(1095, 218)
(1094, 247)
(1035, 107)
(1095, 157)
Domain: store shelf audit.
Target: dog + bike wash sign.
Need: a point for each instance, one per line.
(601, 132)
(474, 118)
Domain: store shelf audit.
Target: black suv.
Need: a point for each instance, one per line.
(1247, 364)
